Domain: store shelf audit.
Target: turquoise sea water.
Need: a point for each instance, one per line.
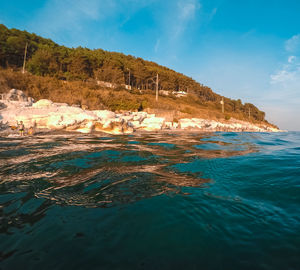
(150, 201)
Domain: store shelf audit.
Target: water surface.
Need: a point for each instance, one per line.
(150, 201)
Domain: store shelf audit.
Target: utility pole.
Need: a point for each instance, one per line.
(156, 96)
(129, 77)
(222, 102)
(24, 62)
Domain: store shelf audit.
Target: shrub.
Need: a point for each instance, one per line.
(227, 117)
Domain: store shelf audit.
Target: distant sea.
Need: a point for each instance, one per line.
(150, 201)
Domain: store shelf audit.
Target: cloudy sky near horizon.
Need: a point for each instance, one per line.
(246, 49)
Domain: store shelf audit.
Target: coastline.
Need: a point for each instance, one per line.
(46, 116)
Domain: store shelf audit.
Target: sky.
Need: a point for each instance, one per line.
(246, 49)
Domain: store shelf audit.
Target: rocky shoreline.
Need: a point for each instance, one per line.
(48, 116)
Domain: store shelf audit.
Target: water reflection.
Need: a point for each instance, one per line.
(150, 201)
(94, 171)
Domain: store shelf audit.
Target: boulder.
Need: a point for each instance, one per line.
(170, 125)
(134, 124)
(43, 103)
(16, 95)
(139, 116)
(114, 127)
(55, 122)
(127, 117)
(186, 123)
(104, 114)
(16, 98)
(85, 127)
(153, 123)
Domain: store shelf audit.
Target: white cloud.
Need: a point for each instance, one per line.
(291, 58)
(62, 14)
(186, 11)
(286, 80)
(74, 22)
(65, 20)
(282, 76)
(293, 44)
(288, 73)
(284, 92)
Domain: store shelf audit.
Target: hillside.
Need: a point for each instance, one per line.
(71, 74)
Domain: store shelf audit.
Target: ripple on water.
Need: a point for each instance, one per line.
(164, 201)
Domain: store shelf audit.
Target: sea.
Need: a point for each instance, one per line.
(167, 200)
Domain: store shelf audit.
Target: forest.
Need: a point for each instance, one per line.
(45, 58)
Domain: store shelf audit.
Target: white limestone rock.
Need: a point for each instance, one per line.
(55, 122)
(43, 103)
(126, 118)
(104, 114)
(186, 123)
(85, 127)
(170, 125)
(153, 123)
(46, 114)
(134, 124)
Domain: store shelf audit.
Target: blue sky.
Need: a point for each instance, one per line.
(248, 49)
